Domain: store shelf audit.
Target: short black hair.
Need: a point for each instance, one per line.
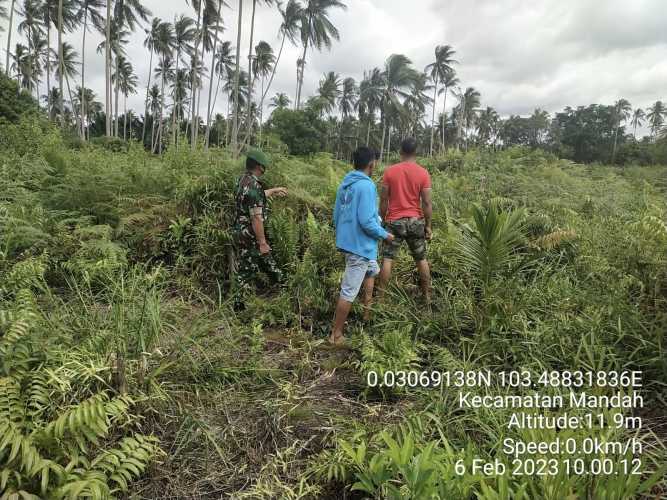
(362, 157)
(251, 163)
(409, 146)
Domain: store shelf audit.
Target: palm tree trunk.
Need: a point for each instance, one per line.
(48, 68)
(261, 115)
(251, 81)
(150, 69)
(210, 79)
(273, 71)
(159, 127)
(174, 113)
(9, 37)
(435, 97)
(83, 73)
(107, 69)
(384, 131)
(124, 117)
(303, 68)
(193, 110)
(71, 100)
(235, 122)
(116, 95)
(442, 120)
(368, 133)
(613, 152)
(61, 63)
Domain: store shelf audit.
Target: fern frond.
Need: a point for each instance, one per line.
(86, 422)
(128, 460)
(11, 404)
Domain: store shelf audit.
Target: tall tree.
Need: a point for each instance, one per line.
(487, 126)
(371, 90)
(67, 69)
(416, 102)
(317, 30)
(30, 26)
(449, 81)
(164, 47)
(90, 10)
(465, 112)
(224, 61)
(656, 117)
(206, 19)
(438, 71)
(9, 15)
(638, 117)
(184, 34)
(262, 66)
(237, 76)
(289, 29)
(149, 43)
(251, 79)
(329, 91)
(398, 77)
(128, 85)
(622, 110)
(217, 32)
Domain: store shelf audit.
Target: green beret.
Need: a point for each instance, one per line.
(259, 156)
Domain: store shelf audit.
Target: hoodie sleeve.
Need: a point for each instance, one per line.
(336, 208)
(367, 212)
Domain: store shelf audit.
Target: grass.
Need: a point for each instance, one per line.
(124, 261)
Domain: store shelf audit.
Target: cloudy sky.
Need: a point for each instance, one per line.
(520, 54)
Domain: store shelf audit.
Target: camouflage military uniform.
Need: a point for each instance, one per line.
(412, 231)
(250, 199)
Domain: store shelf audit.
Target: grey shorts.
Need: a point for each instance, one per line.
(357, 269)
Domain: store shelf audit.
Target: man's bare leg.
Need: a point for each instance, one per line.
(367, 297)
(340, 317)
(425, 279)
(385, 275)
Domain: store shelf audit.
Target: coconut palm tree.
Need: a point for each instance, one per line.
(89, 104)
(329, 91)
(223, 66)
(449, 81)
(236, 87)
(21, 67)
(126, 14)
(289, 29)
(466, 112)
(438, 70)
(251, 79)
(656, 117)
(184, 35)
(218, 31)
(417, 100)
(31, 28)
(164, 45)
(487, 126)
(638, 117)
(128, 85)
(398, 77)
(237, 75)
(280, 101)
(622, 110)
(317, 30)
(10, 15)
(206, 20)
(67, 19)
(149, 43)
(67, 69)
(154, 106)
(371, 89)
(89, 10)
(262, 66)
(119, 40)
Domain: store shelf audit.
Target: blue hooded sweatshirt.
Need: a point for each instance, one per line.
(356, 216)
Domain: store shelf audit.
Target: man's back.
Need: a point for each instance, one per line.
(405, 182)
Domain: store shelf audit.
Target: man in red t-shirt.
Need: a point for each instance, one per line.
(406, 208)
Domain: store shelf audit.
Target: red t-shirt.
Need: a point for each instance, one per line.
(405, 182)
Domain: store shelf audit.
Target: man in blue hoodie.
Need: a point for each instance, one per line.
(358, 229)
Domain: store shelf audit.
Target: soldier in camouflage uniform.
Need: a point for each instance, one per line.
(253, 250)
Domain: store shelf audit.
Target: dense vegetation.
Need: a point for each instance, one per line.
(124, 367)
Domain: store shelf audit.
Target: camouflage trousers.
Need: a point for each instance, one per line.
(251, 265)
(412, 231)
